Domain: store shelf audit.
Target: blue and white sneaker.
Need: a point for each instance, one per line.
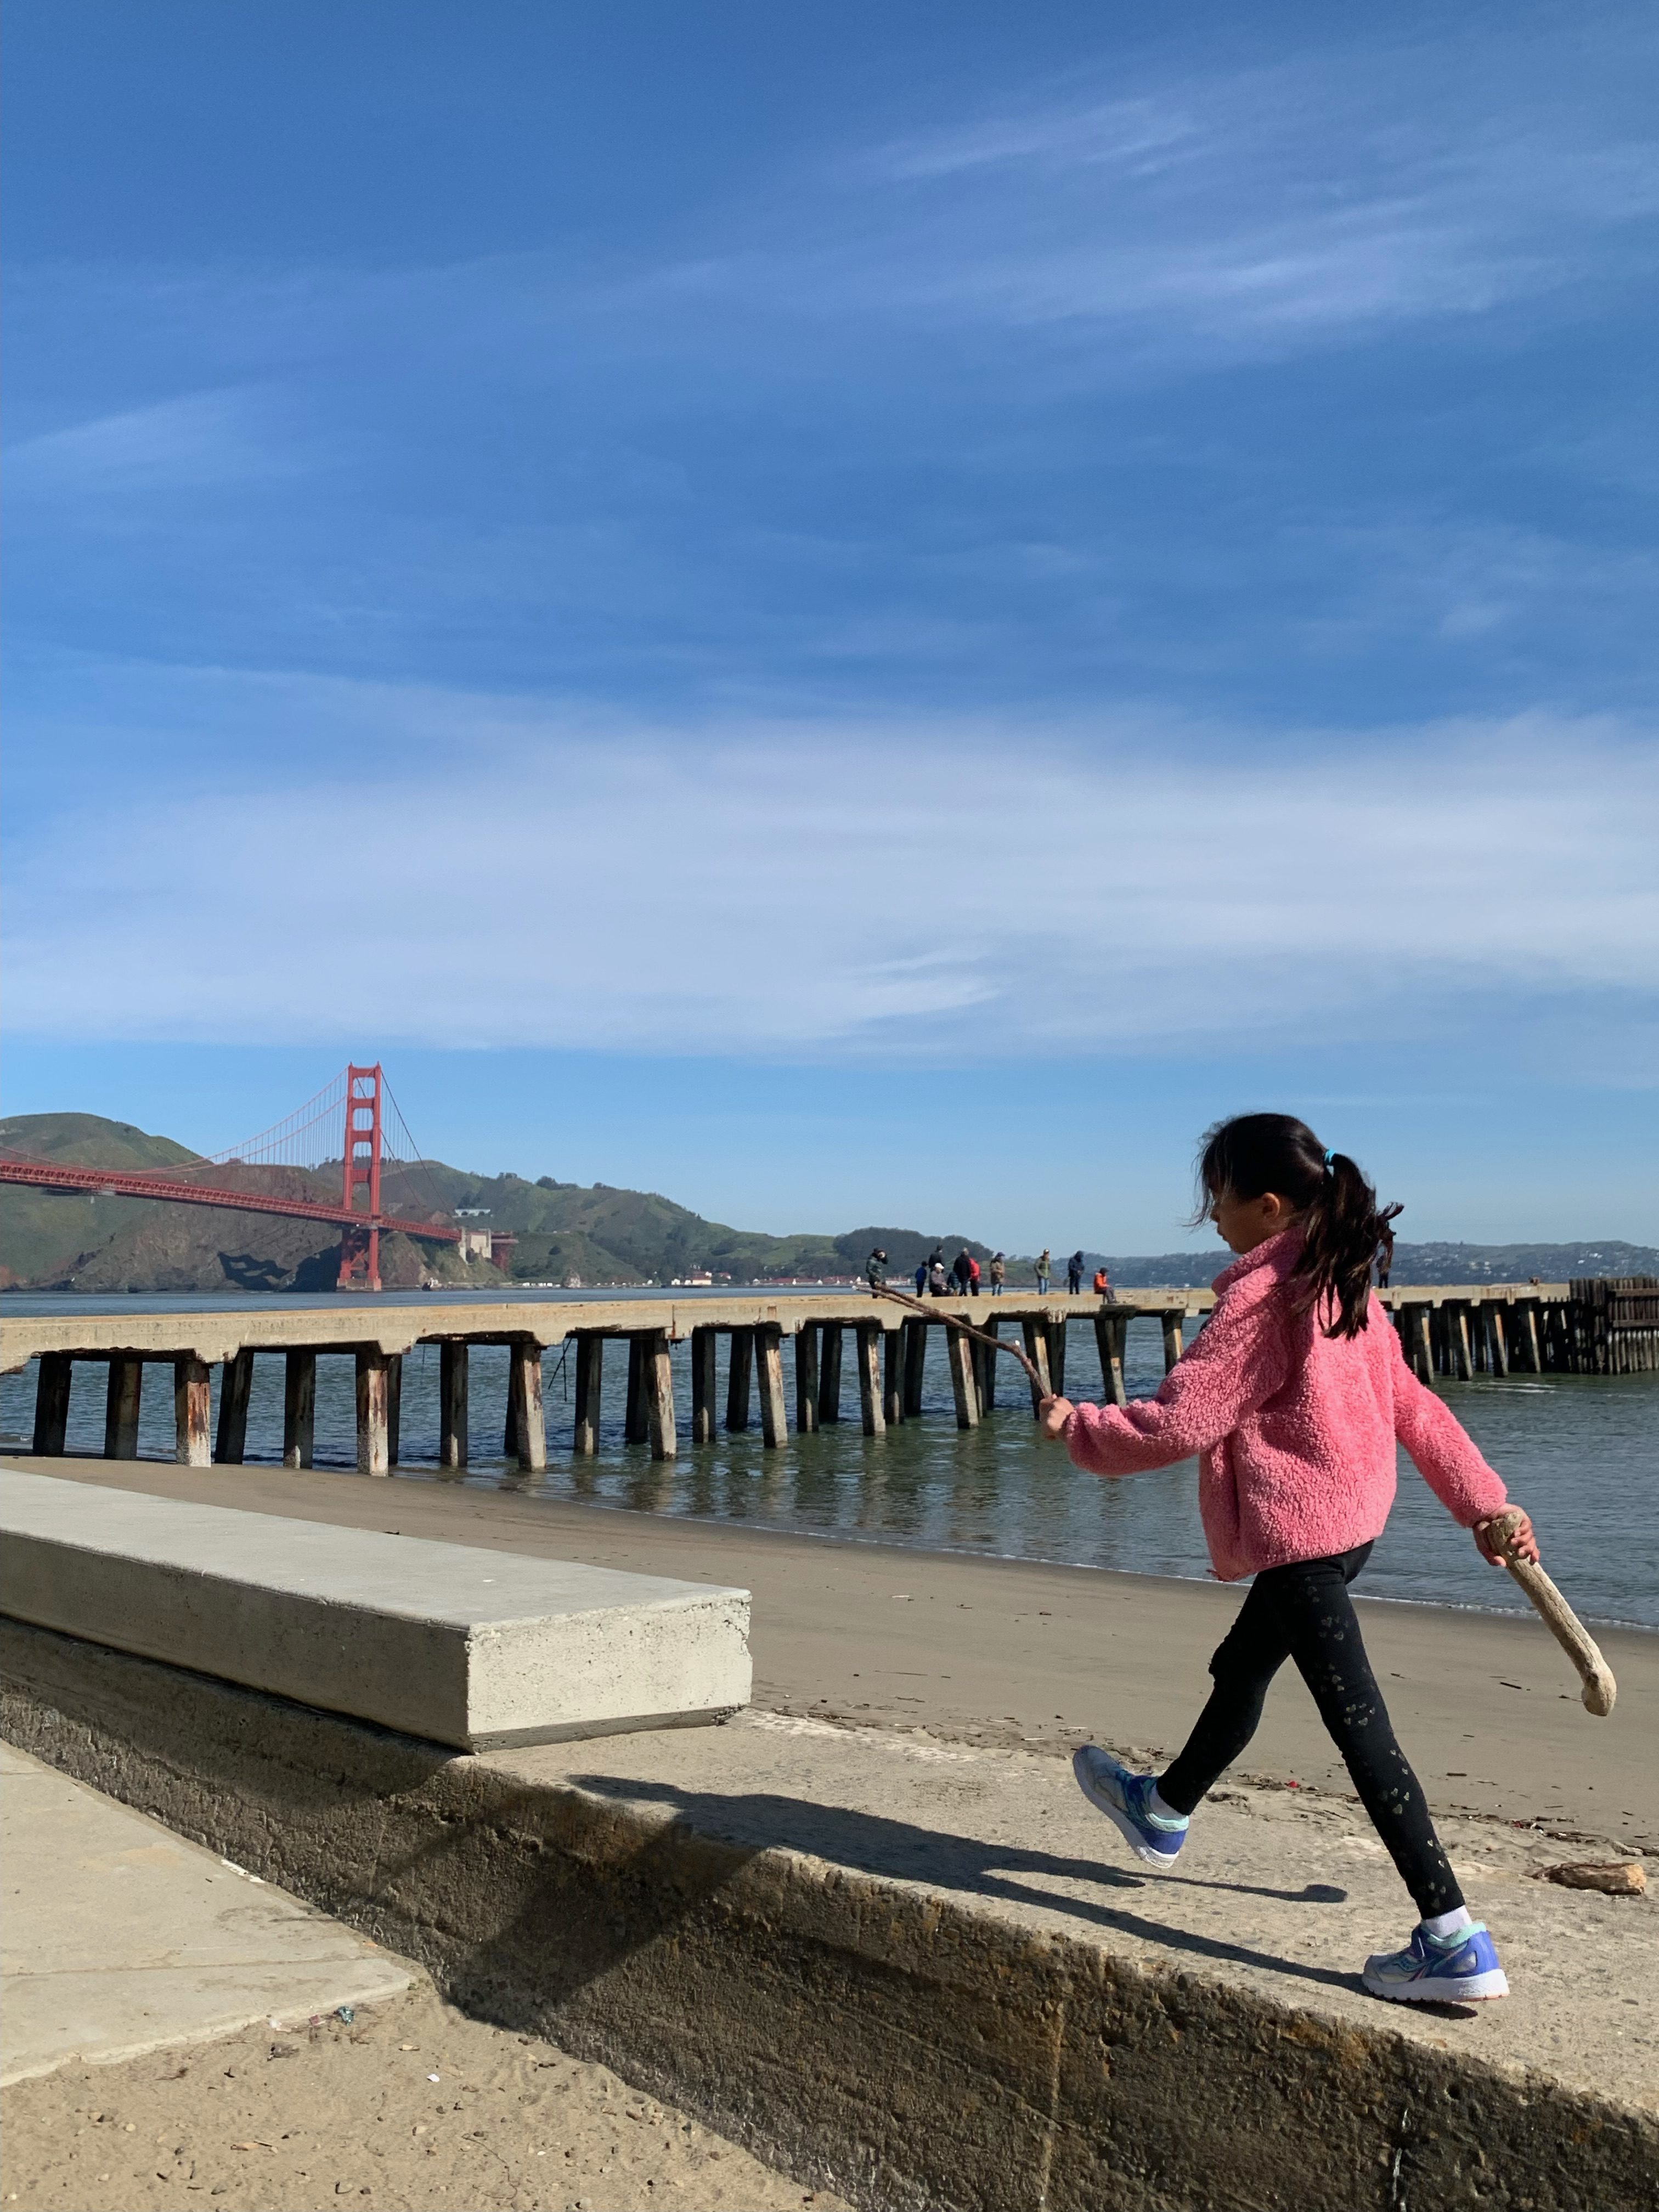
(1460, 1968)
(1122, 1798)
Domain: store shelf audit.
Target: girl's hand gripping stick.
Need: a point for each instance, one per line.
(1497, 1537)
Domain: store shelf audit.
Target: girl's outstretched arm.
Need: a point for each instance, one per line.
(1444, 1453)
(1239, 1360)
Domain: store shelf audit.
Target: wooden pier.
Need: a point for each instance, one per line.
(1459, 1333)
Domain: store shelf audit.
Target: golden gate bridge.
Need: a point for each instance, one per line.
(353, 1122)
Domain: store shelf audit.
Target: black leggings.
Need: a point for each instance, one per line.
(1304, 1613)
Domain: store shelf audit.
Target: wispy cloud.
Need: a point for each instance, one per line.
(1135, 135)
(197, 440)
(1258, 209)
(852, 888)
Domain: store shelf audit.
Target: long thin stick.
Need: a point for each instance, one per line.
(1558, 1616)
(955, 1320)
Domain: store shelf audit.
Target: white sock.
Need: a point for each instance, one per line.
(1160, 1811)
(1448, 1923)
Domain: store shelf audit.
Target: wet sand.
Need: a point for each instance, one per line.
(1003, 1653)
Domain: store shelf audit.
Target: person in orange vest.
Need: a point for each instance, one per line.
(1103, 1286)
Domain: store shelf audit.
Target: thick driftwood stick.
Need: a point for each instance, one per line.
(1558, 1616)
(955, 1320)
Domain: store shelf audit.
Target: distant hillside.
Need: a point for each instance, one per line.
(1416, 1263)
(598, 1234)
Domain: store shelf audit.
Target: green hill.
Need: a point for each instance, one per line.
(43, 1236)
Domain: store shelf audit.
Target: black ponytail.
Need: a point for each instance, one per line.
(1346, 1234)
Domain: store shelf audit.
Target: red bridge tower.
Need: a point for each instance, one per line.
(360, 1248)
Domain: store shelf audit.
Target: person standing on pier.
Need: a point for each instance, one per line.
(1044, 1269)
(998, 1273)
(1074, 1274)
(973, 1276)
(1293, 1403)
(962, 1271)
(875, 1270)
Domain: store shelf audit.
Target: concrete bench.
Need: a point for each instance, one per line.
(462, 1646)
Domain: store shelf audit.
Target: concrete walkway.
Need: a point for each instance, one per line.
(121, 1938)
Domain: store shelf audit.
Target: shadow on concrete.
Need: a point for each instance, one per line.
(899, 1850)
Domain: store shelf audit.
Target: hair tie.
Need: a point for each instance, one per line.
(1329, 1156)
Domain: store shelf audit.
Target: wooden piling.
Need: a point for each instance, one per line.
(959, 1350)
(1498, 1350)
(892, 1353)
(987, 1365)
(1528, 1345)
(830, 1375)
(394, 1406)
(590, 1392)
(658, 1360)
(230, 1444)
(705, 1370)
(373, 1455)
(1036, 1351)
(1172, 1343)
(1111, 1331)
(806, 1379)
(192, 1412)
(915, 1367)
(739, 1371)
(453, 1441)
(1418, 1342)
(636, 1417)
(51, 1402)
(528, 1414)
(298, 1409)
(121, 1405)
(1056, 1332)
(1457, 1338)
(1558, 1343)
(768, 1370)
(872, 1412)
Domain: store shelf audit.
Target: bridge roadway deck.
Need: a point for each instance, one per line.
(211, 1334)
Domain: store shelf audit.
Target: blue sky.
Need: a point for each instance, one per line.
(851, 614)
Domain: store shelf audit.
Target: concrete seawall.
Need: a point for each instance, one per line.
(912, 2039)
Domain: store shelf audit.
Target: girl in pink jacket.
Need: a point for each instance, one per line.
(1292, 1397)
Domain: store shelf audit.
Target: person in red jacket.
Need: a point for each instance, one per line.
(1293, 1396)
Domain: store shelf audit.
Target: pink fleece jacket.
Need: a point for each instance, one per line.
(1295, 1430)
